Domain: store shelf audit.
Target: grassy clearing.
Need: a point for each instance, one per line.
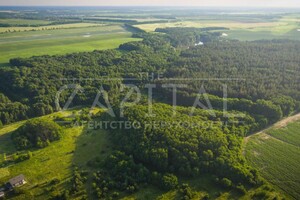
(6, 145)
(77, 146)
(91, 144)
(276, 155)
(46, 164)
(51, 42)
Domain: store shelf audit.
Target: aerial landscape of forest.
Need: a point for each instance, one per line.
(149, 102)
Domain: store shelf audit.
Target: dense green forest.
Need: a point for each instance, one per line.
(261, 80)
(261, 76)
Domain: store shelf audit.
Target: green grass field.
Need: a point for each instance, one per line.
(285, 27)
(77, 146)
(61, 41)
(276, 155)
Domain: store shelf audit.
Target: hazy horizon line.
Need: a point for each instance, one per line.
(155, 6)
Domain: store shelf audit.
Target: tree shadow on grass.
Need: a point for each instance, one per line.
(5, 64)
(6, 144)
(90, 145)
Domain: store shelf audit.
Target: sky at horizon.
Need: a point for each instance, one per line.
(198, 3)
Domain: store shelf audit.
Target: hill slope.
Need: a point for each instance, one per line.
(55, 162)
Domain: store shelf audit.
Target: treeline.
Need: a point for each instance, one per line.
(133, 29)
(20, 25)
(111, 20)
(187, 37)
(265, 112)
(39, 25)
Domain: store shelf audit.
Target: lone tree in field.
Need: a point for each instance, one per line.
(37, 133)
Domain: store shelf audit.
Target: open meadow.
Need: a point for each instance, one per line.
(61, 41)
(55, 162)
(243, 28)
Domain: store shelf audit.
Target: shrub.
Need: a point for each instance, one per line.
(55, 181)
(169, 181)
(241, 189)
(261, 195)
(37, 133)
(226, 183)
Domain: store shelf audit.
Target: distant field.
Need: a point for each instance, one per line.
(251, 35)
(286, 27)
(276, 154)
(40, 28)
(208, 23)
(24, 21)
(61, 41)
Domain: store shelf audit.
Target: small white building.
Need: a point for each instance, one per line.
(199, 43)
(224, 35)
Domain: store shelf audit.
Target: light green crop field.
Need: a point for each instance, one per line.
(61, 41)
(206, 23)
(286, 27)
(276, 153)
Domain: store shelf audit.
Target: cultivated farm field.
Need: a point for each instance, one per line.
(279, 27)
(275, 153)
